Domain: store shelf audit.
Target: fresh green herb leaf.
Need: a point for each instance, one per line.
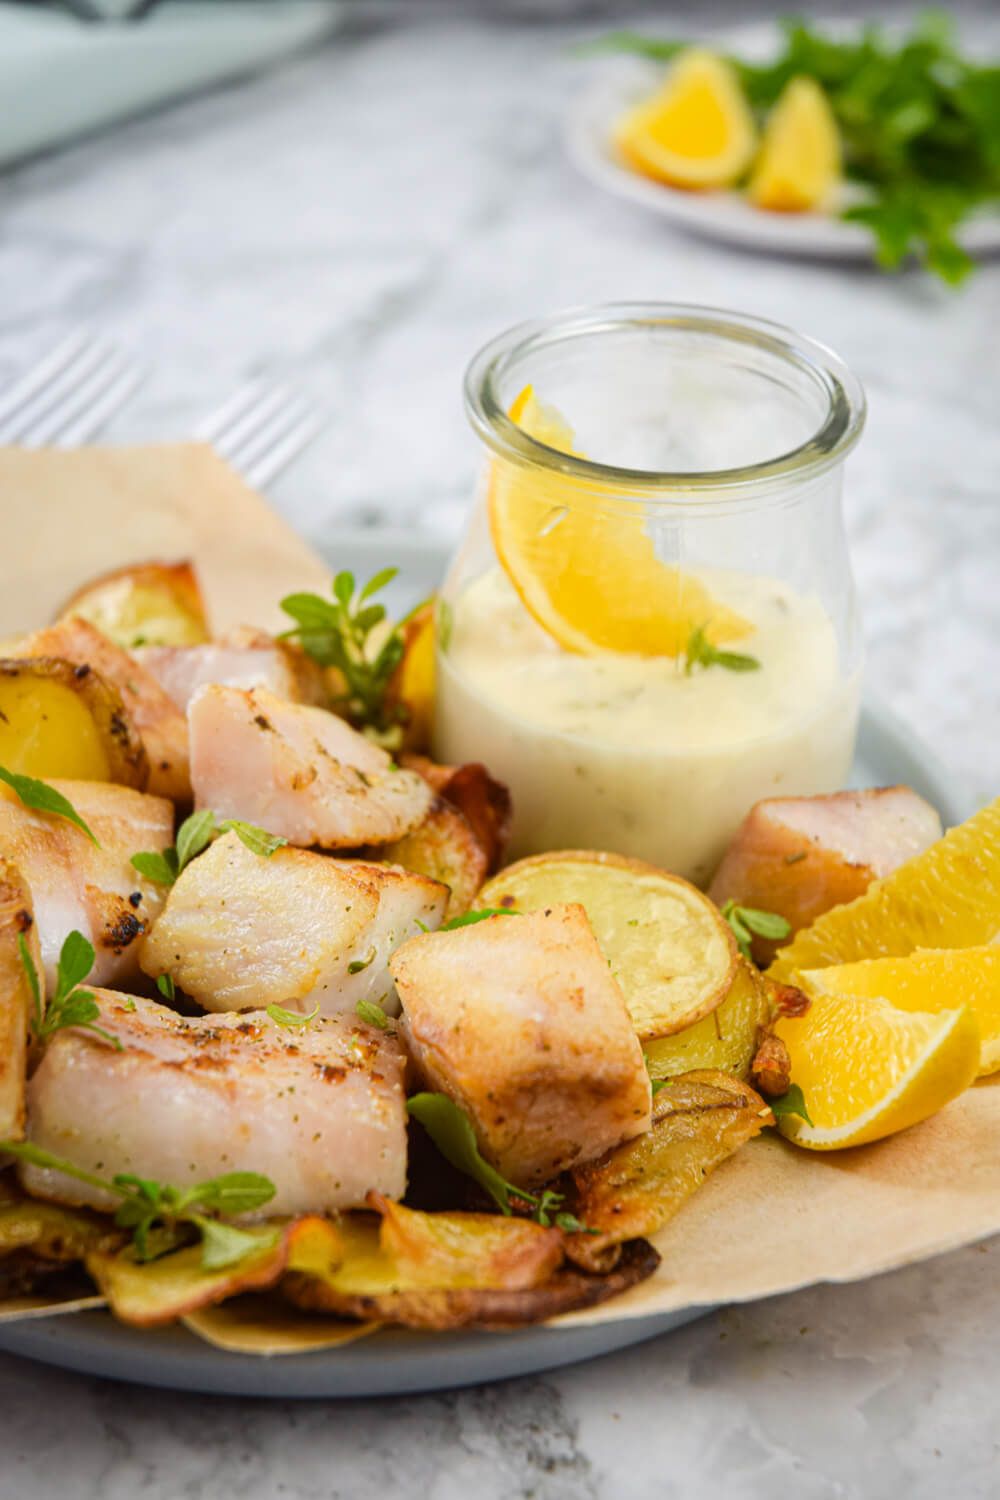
(451, 1131)
(257, 840)
(367, 1010)
(700, 652)
(358, 965)
(166, 987)
(656, 1084)
(339, 633)
(162, 1217)
(44, 798)
(792, 1102)
(292, 1018)
(69, 1005)
(745, 921)
(194, 836)
(160, 868)
(470, 918)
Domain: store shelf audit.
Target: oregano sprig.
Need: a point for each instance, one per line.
(41, 797)
(700, 653)
(746, 921)
(193, 837)
(69, 1005)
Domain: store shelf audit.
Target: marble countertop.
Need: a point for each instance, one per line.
(358, 223)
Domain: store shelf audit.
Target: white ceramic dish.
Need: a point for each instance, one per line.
(393, 1363)
(723, 216)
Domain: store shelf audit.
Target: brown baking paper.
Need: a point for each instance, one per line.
(771, 1219)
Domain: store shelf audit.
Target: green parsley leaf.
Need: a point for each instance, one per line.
(700, 652)
(292, 1018)
(339, 633)
(451, 1131)
(162, 1217)
(257, 840)
(470, 918)
(747, 920)
(44, 798)
(367, 1010)
(792, 1102)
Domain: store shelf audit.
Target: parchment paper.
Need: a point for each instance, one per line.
(774, 1217)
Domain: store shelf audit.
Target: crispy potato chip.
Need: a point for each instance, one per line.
(60, 719)
(42, 1248)
(370, 1285)
(445, 848)
(264, 1323)
(146, 604)
(485, 803)
(465, 1249)
(698, 1120)
(726, 1039)
(412, 683)
(147, 1294)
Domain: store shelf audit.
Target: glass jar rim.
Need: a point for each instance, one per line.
(835, 436)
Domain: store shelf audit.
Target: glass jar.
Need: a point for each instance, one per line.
(651, 622)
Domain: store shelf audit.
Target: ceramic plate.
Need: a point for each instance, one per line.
(719, 215)
(393, 1363)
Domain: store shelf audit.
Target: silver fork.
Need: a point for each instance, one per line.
(70, 393)
(261, 429)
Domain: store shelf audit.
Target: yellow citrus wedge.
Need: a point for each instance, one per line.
(667, 944)
(697, 131)
(799, 161)
(933, 980)
(587, 570)
(947, 897)
(868, 1069)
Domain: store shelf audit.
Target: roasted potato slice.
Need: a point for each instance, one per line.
(63, 720)
(16, 921)
(41, 1242)
(455, 1270)
(727, 1039)
(150, 1293)
(445, 848)
(146, 604)
(698, 1120)
(483, 802)
(265, 1323)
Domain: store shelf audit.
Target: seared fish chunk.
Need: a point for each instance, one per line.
(319, 1110)
(156, 716)
(298, 771)
(519, 1020)
(75, 884)
(800, 856)
(243, 658)
(16, 921)
(240, 932)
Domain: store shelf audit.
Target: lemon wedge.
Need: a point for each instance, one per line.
(934, 981)
(697, 131)
(947, 897)
(799, 162)
(584, 565)
(868, 1069)
(667, 944)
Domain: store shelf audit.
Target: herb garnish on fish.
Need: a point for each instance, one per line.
(194, 836)
(44, 798)
(69, 1006)
(747, 920)
(163, 1218)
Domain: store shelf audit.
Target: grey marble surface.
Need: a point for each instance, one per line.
(358, 223)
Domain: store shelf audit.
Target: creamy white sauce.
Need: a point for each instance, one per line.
(628, 753)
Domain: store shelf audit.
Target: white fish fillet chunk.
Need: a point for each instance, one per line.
(240, 931)
(298, 771)
(75, 884)
(519, 1020)
(319, 1110)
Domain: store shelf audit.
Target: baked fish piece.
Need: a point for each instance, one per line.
(242, 658)
(298, 929)
(319, 1110)
(519, 1020)
(75, 884)
(298, 771)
